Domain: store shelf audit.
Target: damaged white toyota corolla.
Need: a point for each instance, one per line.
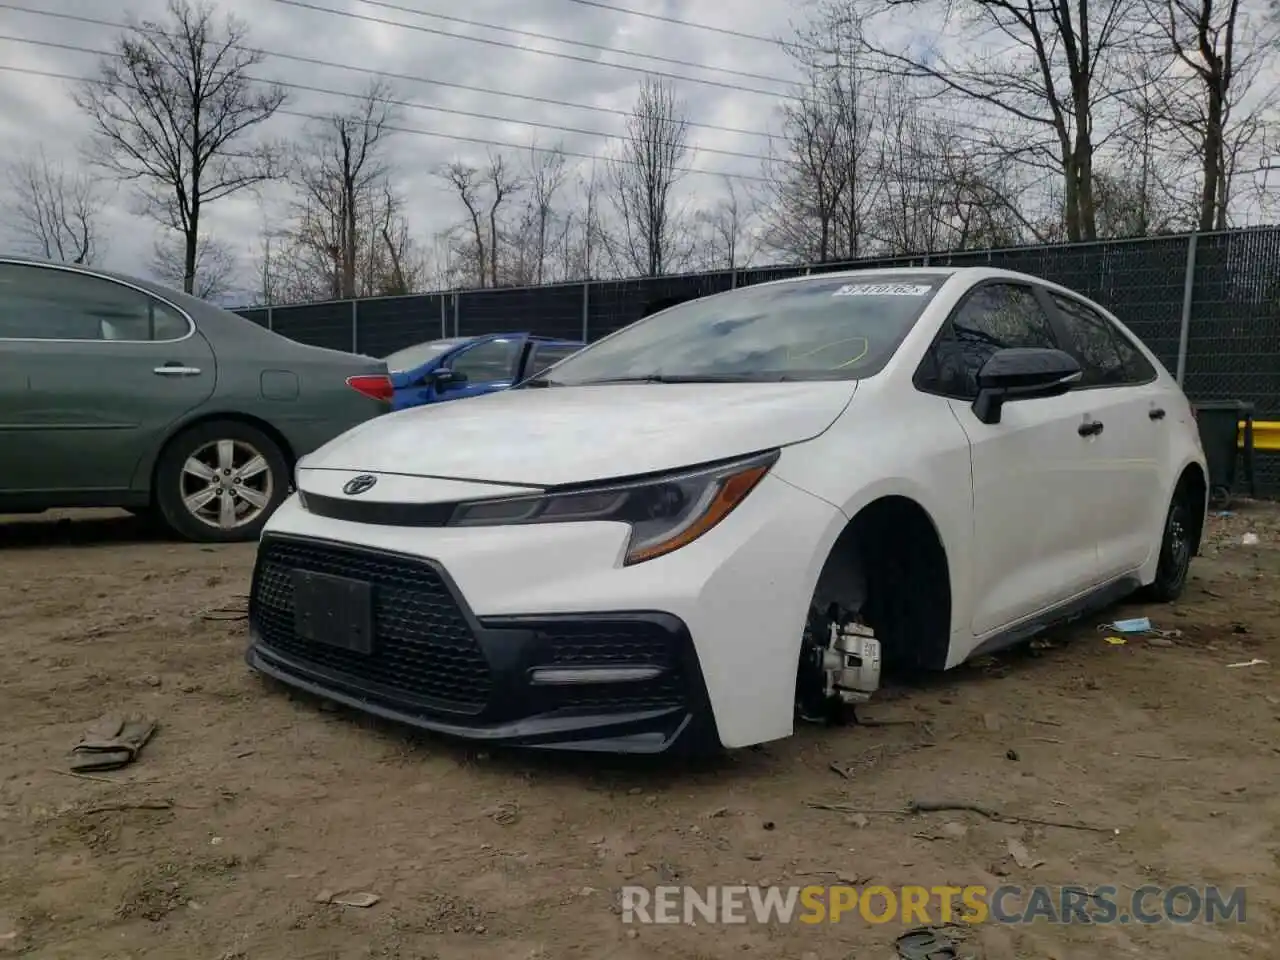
(731, 513)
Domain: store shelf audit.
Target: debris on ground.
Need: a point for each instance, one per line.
(506, 813)
(1136, 625)
(111, 742)
(1021, 855)
(238, 612)
(931, 943)
(361, 899)
(938, 806)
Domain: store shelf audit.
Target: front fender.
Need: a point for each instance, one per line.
(920, 453)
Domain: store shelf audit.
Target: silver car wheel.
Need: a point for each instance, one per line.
(226, 484)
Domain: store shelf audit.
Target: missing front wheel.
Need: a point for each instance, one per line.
(839, 667)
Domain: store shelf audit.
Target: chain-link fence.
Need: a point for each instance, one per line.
(1207, 305)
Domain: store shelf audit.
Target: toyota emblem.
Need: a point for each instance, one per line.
(358, 485)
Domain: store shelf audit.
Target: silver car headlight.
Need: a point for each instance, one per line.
(665, 512)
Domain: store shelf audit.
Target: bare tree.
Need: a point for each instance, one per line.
(481, 239)
(215, 268)
(643, 178)
(503, 184)
(1145, 186)
(1048, 79)
(466, 183)
(398, 263)
(1214, 42)
(729, 240)
(806, 184)
(340, 175)
(583, 251)
(271, 257)
(54, 211)
(935, 195)
(545, 177)
(173, 108)
(826, 180)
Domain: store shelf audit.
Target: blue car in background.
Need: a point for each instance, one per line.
(459, 367)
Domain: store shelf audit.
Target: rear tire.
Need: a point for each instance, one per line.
(219, 482)
(1177, 547)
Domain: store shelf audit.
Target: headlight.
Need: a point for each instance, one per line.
(664, 513)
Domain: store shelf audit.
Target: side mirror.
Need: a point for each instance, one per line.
(444, 378)
(1022, 373)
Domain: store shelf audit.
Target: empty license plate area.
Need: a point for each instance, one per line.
(333, 611)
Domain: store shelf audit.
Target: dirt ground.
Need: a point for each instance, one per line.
(249, 803)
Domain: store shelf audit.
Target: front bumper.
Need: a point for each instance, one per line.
(742, 590)
(626, 682)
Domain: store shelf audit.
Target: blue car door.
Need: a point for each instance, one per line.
(489, 364)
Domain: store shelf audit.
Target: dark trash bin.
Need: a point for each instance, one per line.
(1219, 422)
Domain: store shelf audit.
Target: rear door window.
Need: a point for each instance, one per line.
(46, 303)
(1105, 353)
(488, 362)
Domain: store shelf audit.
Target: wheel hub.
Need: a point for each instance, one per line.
(1178, 540)
(226, 484)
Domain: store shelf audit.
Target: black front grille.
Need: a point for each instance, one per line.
(424, 651)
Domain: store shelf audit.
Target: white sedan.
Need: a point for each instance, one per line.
(736, 513)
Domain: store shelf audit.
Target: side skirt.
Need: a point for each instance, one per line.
(1092, 602)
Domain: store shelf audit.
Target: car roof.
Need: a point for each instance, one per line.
(970, 274)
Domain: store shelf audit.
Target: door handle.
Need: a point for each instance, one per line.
(177, 370)
(1156, 414)
(1090, 428)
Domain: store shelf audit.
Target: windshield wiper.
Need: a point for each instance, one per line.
(541, 382)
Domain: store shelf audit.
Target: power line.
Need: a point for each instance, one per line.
(725, 31)
(631, 68)
(471, 114)
(508, 145)
(575, 43)
(481, 141)
(448, 84)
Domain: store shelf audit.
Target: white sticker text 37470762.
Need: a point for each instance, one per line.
(882, 290)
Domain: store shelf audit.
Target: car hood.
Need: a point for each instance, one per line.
(563, 435)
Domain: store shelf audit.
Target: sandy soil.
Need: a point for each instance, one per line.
(249, 803)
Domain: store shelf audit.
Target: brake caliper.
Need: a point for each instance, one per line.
(851, 663)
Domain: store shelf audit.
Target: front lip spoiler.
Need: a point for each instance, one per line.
(642, 732)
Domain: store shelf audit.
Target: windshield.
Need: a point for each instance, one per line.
(418, 354)
(841, 328)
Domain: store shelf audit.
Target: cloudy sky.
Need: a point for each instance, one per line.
(36, 110)
(571, 91)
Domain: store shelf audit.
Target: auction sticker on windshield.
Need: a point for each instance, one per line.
(883, 290)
